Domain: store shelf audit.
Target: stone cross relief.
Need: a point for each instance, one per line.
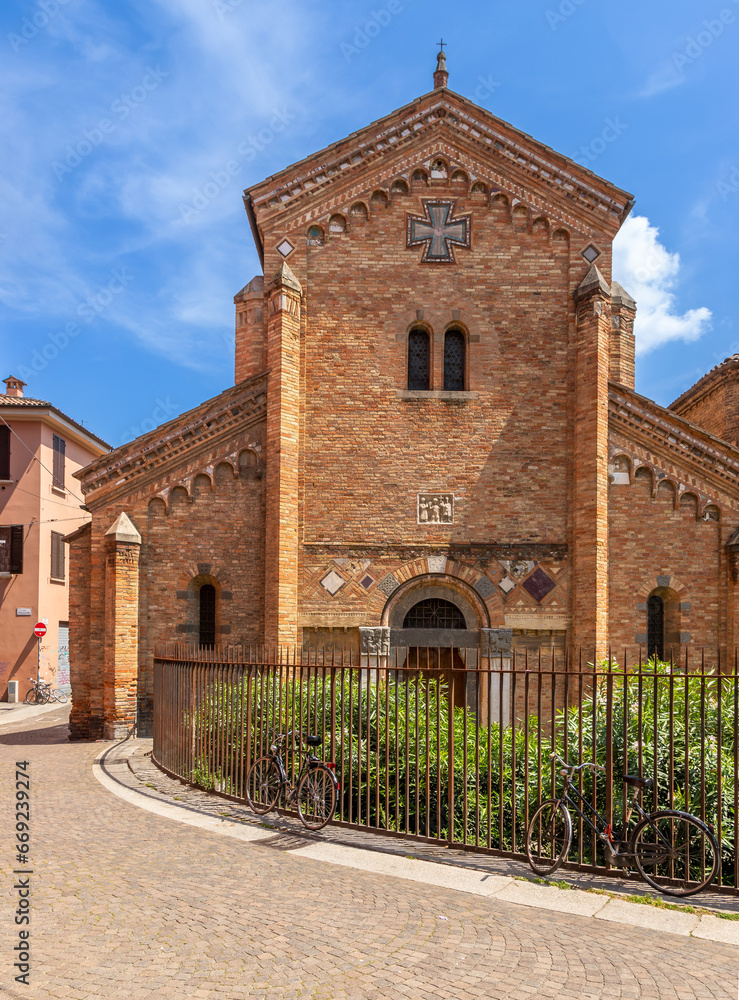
(439, 232)
(436, 508)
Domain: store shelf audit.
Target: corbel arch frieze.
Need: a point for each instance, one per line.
(624, 463)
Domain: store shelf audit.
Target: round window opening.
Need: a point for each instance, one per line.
(434, 613)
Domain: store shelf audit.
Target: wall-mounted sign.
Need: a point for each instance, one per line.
(23, 612)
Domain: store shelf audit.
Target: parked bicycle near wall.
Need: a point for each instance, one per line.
(672, 850)
(41, 692)
(305, 779)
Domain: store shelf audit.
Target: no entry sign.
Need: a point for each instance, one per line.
(39, 630)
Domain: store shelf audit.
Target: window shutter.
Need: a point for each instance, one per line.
(16, 548)
(60, 448)
(4, 452)
(57, 555)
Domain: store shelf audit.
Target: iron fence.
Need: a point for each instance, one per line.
(450, 746)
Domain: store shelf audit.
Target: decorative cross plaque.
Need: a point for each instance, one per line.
(439, 231)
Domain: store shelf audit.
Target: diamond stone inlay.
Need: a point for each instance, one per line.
(591, 254)
(389, 585)
(367, 581)
(484, 587)
(507, 585)
(333, 582)
(539, 584)
(438, 231)
(285, 248)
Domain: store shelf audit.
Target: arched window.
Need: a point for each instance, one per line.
(454, 349)
(434, 612)
(207, 622)
(655, 626)
(419, 356)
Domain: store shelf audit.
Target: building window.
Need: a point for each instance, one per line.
(434, 613)
(16, 549)
(419, 356)
(4, 451)
(454, 351)
(57, 556)
(655, 627)
(207, 623)
(60, 448)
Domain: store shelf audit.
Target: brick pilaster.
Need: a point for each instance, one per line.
(283, 415)
(590, 520)
(623, 314)
(121, 627)
(80, 614)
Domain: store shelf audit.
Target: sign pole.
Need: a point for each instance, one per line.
(39, 630)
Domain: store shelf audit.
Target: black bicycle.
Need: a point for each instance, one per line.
(672, 850)
(306, 780)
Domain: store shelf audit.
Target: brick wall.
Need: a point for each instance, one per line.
(650, 539)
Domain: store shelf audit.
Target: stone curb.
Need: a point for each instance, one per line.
(448, 876)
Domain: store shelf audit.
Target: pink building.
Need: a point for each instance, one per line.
(40, 502)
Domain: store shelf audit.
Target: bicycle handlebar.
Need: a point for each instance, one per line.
(576, 767)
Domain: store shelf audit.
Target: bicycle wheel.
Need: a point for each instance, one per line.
(60, 696)
(263, 784)
(31, 697)
(44, 696)
(549, 836)
(316, 797)
(675, 852)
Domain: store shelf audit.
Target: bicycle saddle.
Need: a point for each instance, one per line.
(637, 782)
(313, 741)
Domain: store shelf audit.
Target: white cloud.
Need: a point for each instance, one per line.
(649, 273)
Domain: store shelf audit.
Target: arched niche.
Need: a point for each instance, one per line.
(156, 508)
(379, 200)
(359, 211)
(179, 499)
(439, 169)
(248, 465)
(224, 474)
(337, 224)
(520, 217)
(419, 179)
(480, 191)
(399, 187)
(201, 487)
(460, 180)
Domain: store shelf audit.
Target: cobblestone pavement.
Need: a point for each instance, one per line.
(128, 904)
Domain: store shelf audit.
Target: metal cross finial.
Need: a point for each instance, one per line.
(442, 43)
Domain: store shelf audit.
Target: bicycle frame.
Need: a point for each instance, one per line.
(606, 834)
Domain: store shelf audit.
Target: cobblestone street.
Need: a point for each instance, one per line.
(129, 904)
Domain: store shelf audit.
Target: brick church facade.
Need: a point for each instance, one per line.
(433, 426)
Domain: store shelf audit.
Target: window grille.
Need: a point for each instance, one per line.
(57, 556)
(418, 359)
(207, 631)
(454, 361)
(655, 626)
(434, 613)
(60, 448)
(4, 452)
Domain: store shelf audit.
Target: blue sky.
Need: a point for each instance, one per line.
(117, 304)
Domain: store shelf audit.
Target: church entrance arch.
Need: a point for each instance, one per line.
(435, 622)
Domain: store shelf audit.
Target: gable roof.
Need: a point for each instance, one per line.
(518, 161)
(719, 373)
(10, 403)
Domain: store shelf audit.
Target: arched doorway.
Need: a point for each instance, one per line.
(436, 620)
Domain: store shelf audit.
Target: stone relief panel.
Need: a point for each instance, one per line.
(436, 508)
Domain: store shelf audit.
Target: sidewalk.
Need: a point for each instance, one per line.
(18, 711)
(127, 770)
